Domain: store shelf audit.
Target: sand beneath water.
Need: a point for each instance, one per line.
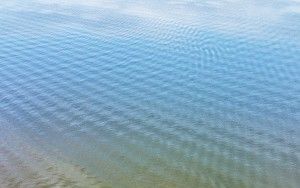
(22, 165)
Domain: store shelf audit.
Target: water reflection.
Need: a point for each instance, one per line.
(150, 94)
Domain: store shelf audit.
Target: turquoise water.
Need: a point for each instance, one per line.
(174, 93)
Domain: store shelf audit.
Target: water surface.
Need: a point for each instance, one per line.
(174, 93)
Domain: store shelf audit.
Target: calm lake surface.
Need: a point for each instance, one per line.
(163, 94)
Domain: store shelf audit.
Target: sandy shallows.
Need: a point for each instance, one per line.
(22, 165)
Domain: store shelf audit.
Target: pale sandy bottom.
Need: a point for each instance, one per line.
(22, 165)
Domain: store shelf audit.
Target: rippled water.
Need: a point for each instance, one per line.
(174, 93)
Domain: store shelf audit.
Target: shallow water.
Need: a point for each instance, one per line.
(174, 93)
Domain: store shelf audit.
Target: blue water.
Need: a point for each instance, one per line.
(174, 93)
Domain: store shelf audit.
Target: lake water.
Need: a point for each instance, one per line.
(173, 93)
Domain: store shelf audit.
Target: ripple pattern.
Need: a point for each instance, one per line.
(205, 99)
